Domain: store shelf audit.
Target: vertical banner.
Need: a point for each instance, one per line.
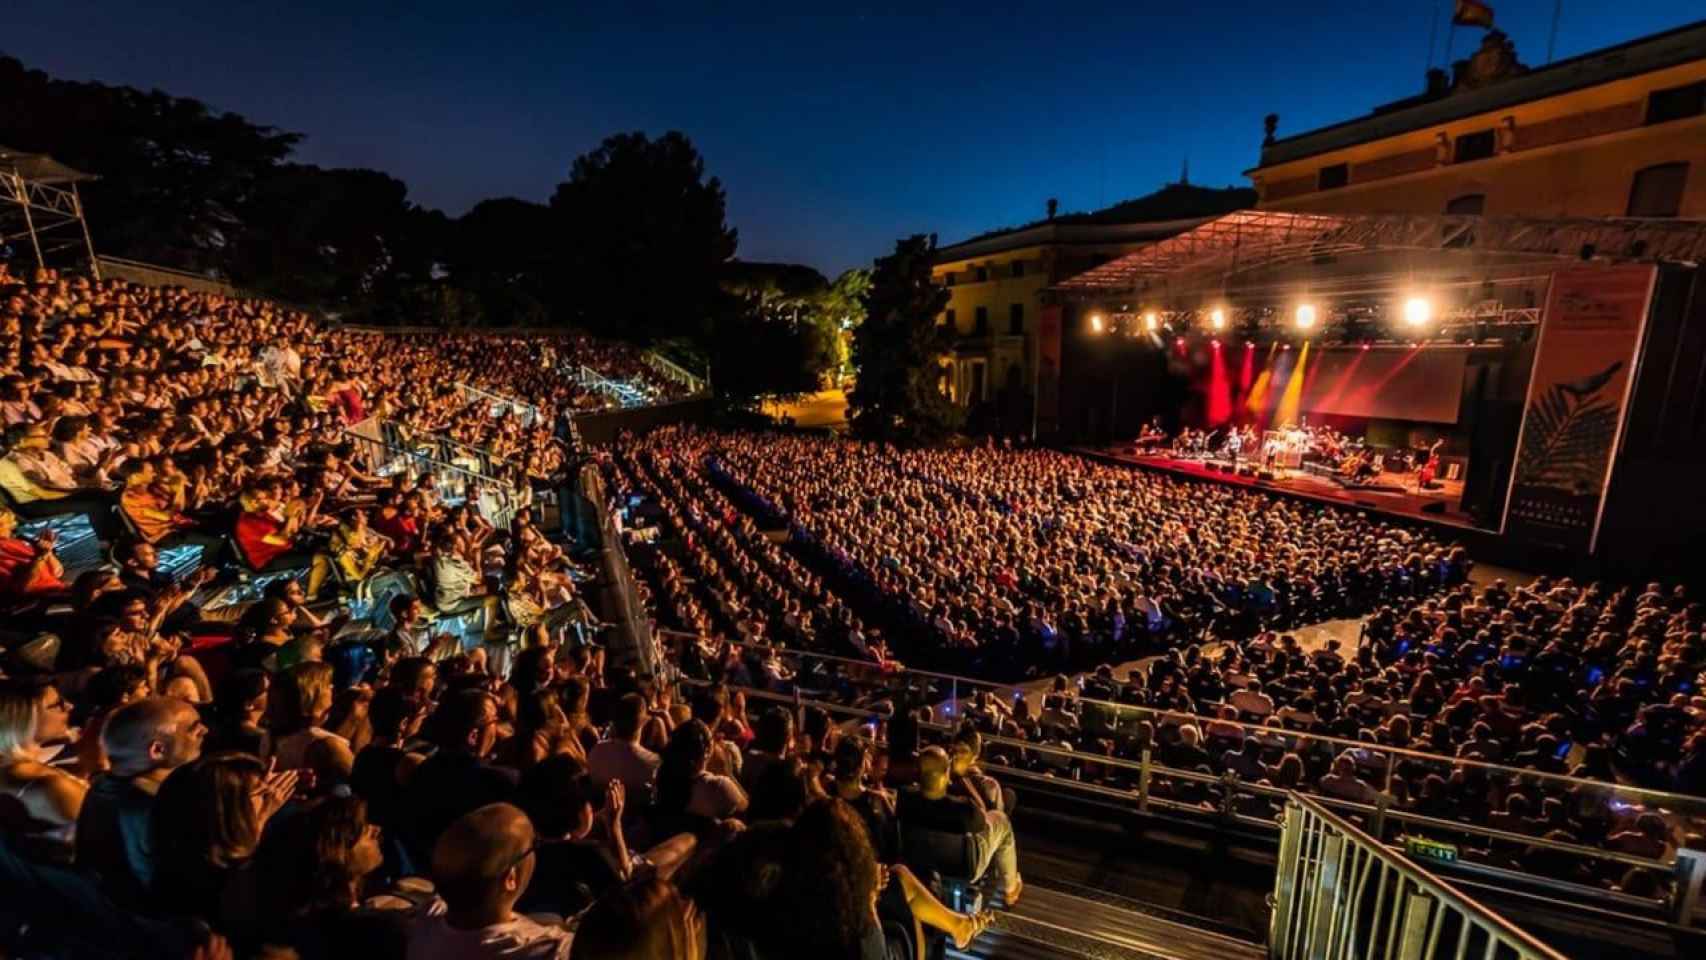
(1046, 408)
(1573, 420)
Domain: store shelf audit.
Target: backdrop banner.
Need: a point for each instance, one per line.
(1572, 423)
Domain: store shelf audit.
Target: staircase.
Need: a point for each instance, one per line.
(1051, 924)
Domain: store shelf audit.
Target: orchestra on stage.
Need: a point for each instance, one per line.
(1300, 448)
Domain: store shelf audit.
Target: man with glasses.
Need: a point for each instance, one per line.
(456, 779)
(481, 866)
(145, 741)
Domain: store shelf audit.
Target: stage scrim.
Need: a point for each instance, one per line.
(1423, 385)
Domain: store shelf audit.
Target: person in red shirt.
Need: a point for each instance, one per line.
(267, 534)
(27, 570)
(398, 521)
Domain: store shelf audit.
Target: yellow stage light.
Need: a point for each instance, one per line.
(1096, 322)
(1217, 319)
(1151, 321)
(1305, 316)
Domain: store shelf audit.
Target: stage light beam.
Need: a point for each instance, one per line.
(1096, 322)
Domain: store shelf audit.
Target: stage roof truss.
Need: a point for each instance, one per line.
(1216, 254)
(39, 202)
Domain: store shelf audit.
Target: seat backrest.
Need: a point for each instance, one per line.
(926, 851)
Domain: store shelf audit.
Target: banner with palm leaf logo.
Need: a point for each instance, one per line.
(1576, 397)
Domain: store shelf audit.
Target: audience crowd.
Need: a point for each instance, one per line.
(277, 777)
(182, 776)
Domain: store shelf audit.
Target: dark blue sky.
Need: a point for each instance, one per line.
(834, 131)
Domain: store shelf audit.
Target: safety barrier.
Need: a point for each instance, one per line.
(384, 452)
(500, 404)
(670, 370)
(1139, 779)
(1339, 892)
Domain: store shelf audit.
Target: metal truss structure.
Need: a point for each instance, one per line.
(39, 203)
(1220, 252)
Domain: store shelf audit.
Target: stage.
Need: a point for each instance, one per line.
(1394, 494)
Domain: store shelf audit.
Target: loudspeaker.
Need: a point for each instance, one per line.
(1434, 506)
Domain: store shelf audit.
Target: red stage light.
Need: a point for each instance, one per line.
(1216, 344)
(1180, 343)
(1365, 346)
(1285, 346)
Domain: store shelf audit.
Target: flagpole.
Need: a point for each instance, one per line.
(1433, 37)
(1552, 41)
(1450, 31)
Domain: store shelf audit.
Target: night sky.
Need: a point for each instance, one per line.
(834, 132)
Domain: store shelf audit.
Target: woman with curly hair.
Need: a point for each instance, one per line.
(312, 872)
(835, 901)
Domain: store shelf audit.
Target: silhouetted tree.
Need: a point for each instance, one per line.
(640, 239)
(897, 353)
(176, 179)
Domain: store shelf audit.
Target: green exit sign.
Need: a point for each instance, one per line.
(1426, 849)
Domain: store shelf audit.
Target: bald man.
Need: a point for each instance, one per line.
(145, 741)
(931, 807)
(482, 864)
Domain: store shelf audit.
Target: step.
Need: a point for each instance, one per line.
(1051, 924)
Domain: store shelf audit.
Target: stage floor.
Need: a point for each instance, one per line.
(1431, 506)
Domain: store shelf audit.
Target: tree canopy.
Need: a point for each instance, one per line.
(897, 352)
(640, 238)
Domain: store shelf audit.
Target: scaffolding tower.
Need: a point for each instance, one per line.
(39, 203)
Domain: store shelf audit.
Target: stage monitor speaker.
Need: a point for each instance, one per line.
(1267, 476)
(1434, 506)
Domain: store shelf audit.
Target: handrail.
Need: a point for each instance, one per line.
(372, 446)
(1320, 887)
(675, 371)
(1646, 794)
(1148, 768)
(498, 399)
(1258, 730)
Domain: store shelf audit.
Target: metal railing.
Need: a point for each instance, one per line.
(500, 404)
(1339, 892)
(382, 454)
(1139, 778)
(670, 370)
(447, 449)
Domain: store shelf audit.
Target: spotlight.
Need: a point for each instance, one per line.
(1216, 344)
(1180, 343)
(1217, 319)
(1096, 322)
(1418, 311)
(1305, 316)
(1365, 346)
(1151, 321)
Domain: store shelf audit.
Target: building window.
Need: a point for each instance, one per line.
(981, 320)
(1016, 319)
(1657, 191)
(1334, 177)
(982, 274)
(1468, 205)
(949, 318)
(1677, 103)
(1475, 146)
(1018, 268)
